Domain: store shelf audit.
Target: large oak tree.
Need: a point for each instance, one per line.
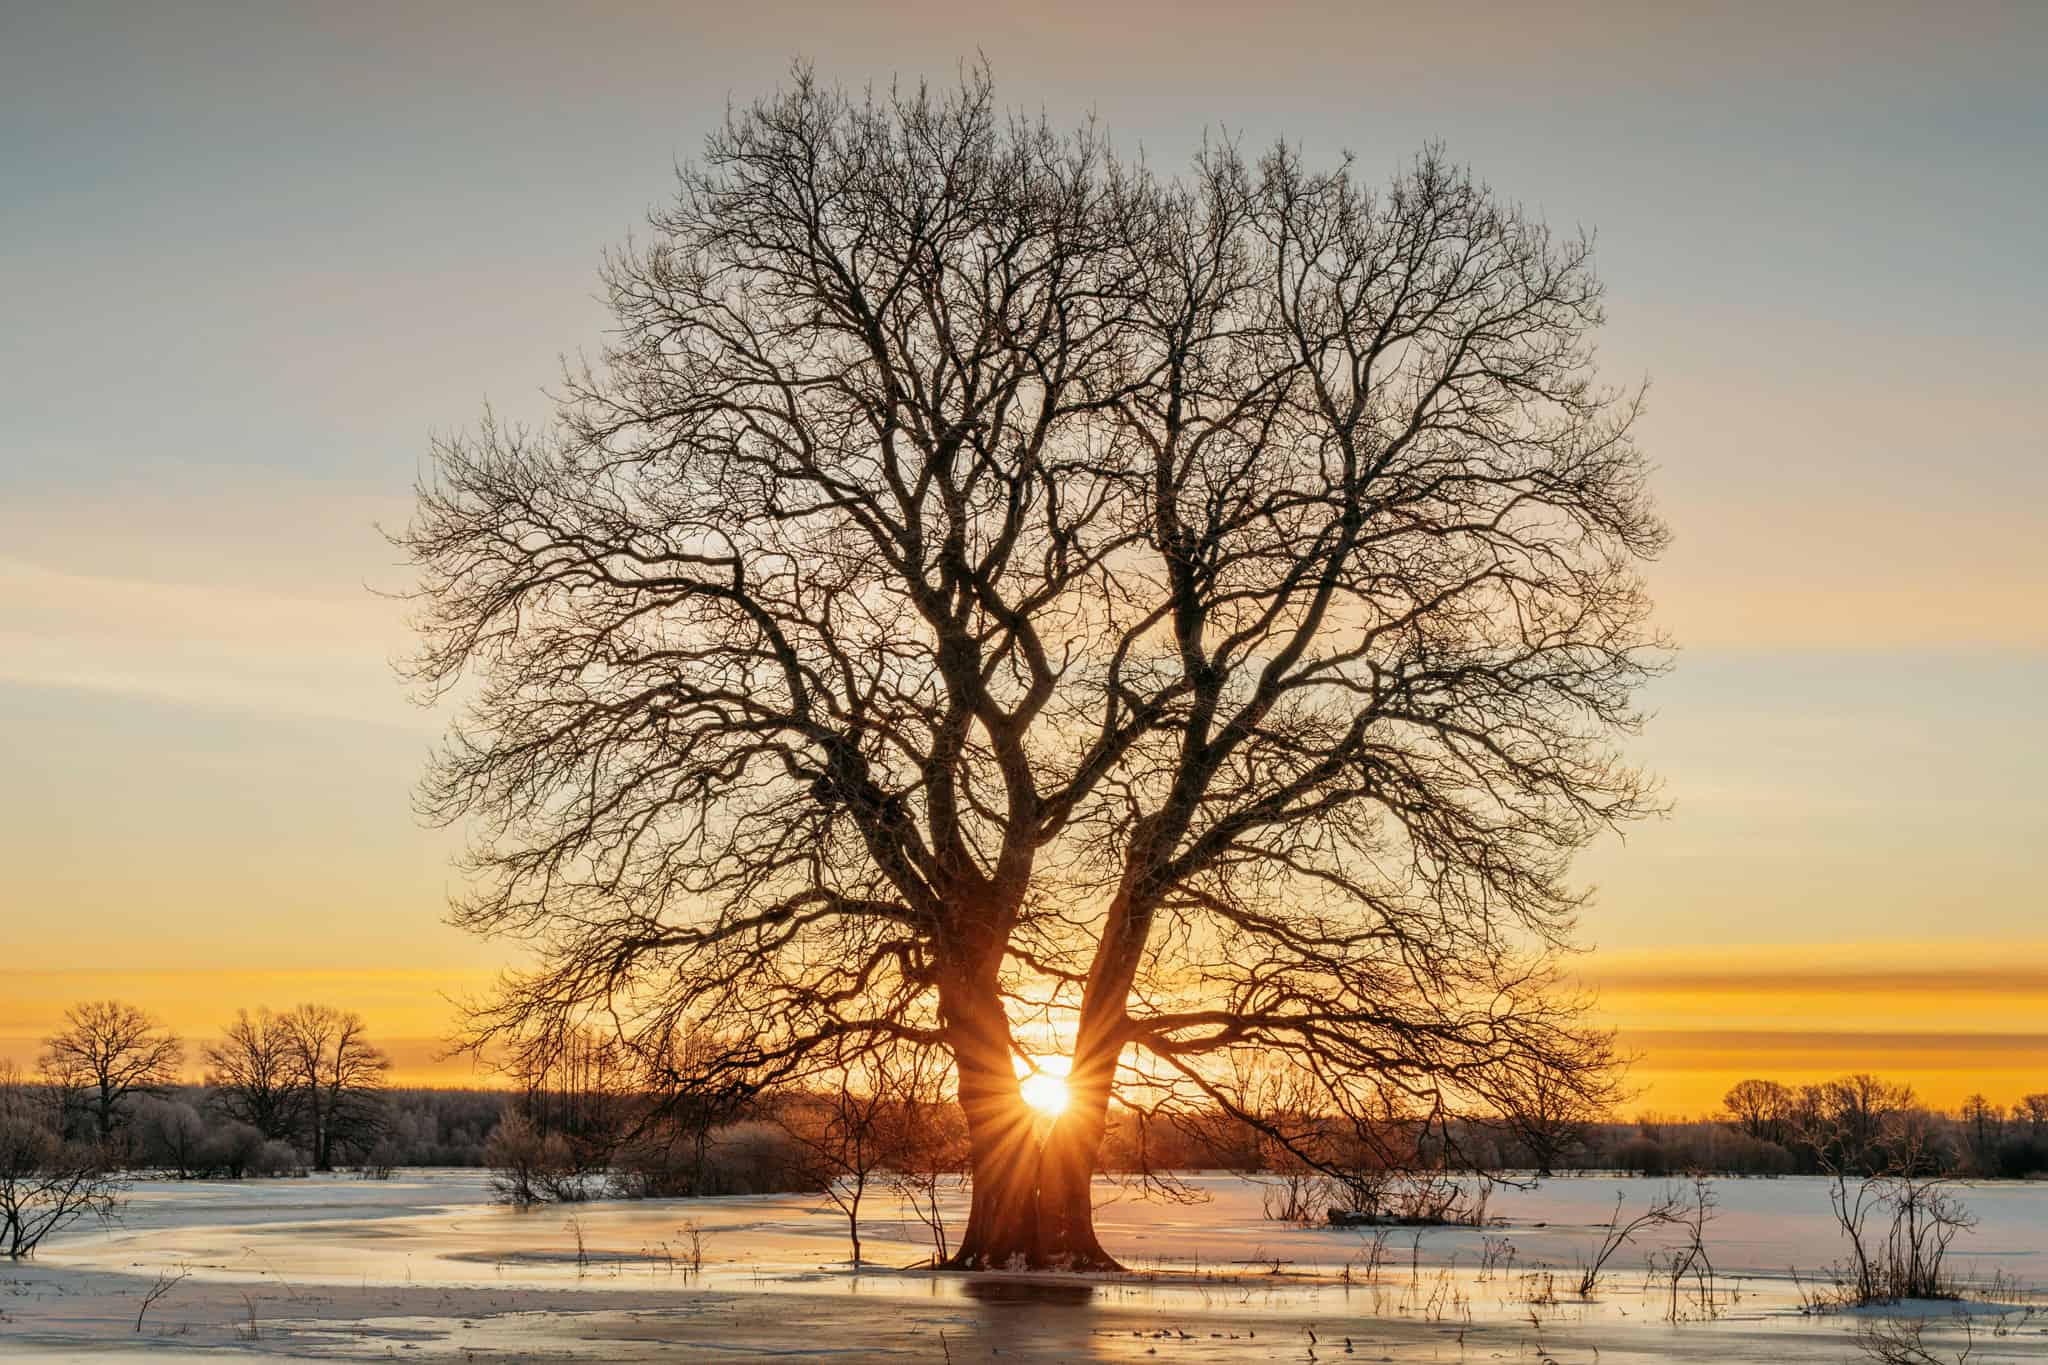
(990, 596)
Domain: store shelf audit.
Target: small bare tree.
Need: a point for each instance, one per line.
(927, 1145)
(109, 1051)
(46, 1182)
(1548, 1110)
(166, 1280)
(848, 1135)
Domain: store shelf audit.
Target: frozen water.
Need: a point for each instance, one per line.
(424, 1266)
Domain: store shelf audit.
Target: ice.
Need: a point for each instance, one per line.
(424, 1266)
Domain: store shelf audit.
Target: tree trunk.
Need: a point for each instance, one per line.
(1032, 1205)
(860, 1183)
(319, 1135)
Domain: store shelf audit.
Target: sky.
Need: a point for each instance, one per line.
(252, 256)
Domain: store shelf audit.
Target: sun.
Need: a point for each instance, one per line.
(1043, 1084)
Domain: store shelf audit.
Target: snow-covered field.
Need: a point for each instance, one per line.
(424, 1267)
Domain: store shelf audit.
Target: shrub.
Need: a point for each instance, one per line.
(2021, 1157)
(1643, 1155)
(232, 1150)
(278, 1157)
(172, 1136)
(757, 1158)
(528, 1168)
(742, 1158)
(46, 1182)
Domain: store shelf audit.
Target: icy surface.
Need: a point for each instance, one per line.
(423, 1266)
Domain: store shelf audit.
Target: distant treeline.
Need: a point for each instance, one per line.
(283, 1092)
(1858, 1124)
(304, 1089)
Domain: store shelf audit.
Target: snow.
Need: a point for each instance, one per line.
(424, 1267)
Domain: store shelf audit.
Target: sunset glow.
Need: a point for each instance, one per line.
(1043, 1084)
(609, 612)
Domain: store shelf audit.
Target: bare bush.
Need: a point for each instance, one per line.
(235, 1149)
(46, 1183)
(1901, 1220)
(1688, 1268)
(528, 1167)
(1911, 1341)
(1295, 1193)
(757, 1158)
(172, 1136)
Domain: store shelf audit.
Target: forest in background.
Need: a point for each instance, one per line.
(285, 1093)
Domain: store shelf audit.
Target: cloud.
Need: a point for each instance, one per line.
(208, 644)
(1951, 1019)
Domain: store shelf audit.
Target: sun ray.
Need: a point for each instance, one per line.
(1042, 1082)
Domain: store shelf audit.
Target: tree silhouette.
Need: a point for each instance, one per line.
(257, 1074)
(337, 1075)
(989, 596)
(107, 1052)
(1760, 1108)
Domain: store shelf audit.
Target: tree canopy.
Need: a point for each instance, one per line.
(989, 596)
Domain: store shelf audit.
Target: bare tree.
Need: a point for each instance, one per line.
(927, 1141)
(1984, 1124)
(339, 1073)
(45, 1182)
(988, 595)
(1549, 1112)
(1853, 1124)
(109, 1051)
(583, 1089)
(1759, 1108)
(849, 1136)
(2034, 1110)
(256, 1073)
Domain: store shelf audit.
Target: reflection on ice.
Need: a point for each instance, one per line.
(345, 1267)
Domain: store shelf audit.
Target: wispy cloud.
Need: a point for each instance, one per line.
(206, 644)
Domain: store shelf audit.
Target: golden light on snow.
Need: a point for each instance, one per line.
(1043, 1084)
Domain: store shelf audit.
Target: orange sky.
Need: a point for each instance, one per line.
(1949, 1019)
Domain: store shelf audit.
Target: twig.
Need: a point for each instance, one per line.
(166, 1281)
